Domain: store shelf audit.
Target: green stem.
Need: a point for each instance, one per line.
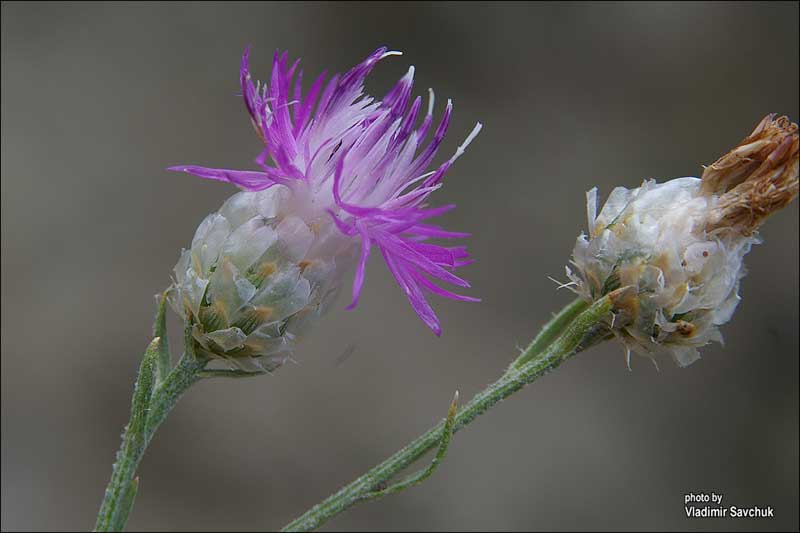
(550, 331)
(422, 475)
(149, 408)
(133, 442)
(160, 331)
(552, 352)
(126, 505)
(183, 376)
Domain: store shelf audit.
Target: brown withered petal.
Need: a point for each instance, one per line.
(764, 149)
(755, 179)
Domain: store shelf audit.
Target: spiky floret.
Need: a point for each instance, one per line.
(361, 162)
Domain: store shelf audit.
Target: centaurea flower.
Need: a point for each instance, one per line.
(350, 173)
(679, 246)
(340, 173)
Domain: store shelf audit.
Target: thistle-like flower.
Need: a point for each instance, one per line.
(679, 246)
(340, 173)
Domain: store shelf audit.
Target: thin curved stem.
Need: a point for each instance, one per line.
(551, 331)
(422, 475)
(184, 375)
(149, 408)
(538, 359)
(134, 442)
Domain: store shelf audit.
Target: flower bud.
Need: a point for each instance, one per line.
(255, 277)
(679, 245)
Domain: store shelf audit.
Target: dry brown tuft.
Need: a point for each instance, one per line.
(755, 179)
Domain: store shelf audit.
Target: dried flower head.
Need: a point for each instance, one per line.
(359, 165)
(679, 246)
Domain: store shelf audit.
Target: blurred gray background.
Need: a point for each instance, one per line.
(97, 99)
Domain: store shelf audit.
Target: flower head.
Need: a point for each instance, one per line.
(358, 163)
(679, 246)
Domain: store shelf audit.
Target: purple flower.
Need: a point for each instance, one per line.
(363, 162)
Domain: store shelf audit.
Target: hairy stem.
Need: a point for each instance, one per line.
(560, 339)
(551, 331)
(149, 408)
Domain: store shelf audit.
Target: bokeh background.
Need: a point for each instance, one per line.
(97, 99)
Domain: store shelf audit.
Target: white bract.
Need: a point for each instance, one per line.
(255, 276)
